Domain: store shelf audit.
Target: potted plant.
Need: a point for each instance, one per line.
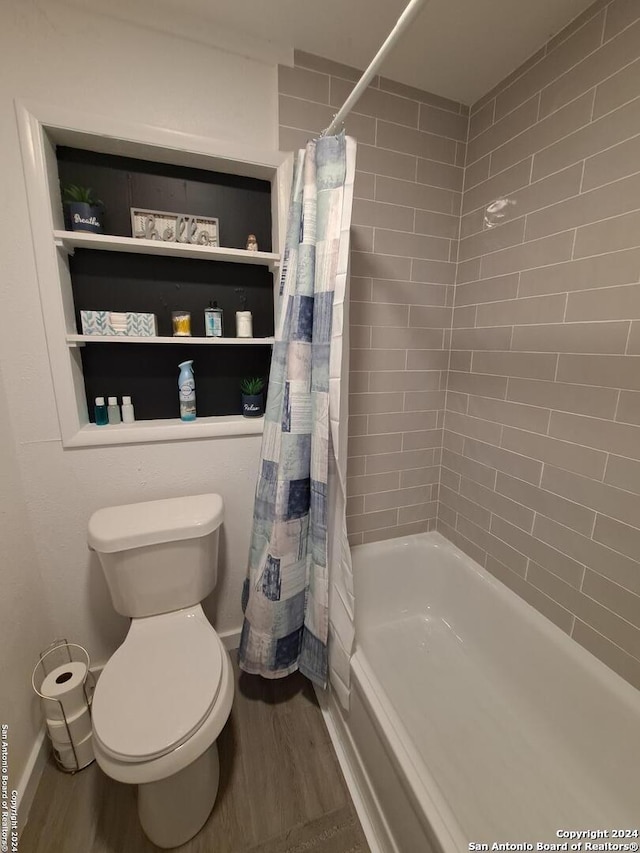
(252, 403)
(83, 208)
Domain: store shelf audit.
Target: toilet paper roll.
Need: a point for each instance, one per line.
(78, 727)
(83, 752)
(66, 685)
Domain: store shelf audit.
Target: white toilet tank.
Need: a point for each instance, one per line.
(158, 556)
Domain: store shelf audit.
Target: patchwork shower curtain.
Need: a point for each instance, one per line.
(299, 560)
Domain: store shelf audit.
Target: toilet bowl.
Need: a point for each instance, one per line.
(165, 695)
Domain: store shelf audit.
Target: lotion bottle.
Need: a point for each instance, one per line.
(213, 321)
(187, 391)
(113, 411)
(128, 416)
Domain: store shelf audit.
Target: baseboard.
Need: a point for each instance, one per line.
(30, 779)
(360, 789)
(231, 639)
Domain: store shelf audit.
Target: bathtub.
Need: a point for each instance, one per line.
(473, 719)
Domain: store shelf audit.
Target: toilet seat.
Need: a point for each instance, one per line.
(159, 687)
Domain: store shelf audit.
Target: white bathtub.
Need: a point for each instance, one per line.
(474, 719)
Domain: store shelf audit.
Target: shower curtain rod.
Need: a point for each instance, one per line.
(403, 22)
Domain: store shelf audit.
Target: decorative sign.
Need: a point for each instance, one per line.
(174, 227)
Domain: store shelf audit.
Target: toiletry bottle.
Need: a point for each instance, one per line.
(244, 324)
(102, 419)
(213, 321)
(128, 416)
(113, 411)
(244, 320)
(187, 391)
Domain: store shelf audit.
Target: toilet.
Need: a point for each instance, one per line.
(164, 696)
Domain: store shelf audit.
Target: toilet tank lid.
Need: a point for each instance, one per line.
(118, 528)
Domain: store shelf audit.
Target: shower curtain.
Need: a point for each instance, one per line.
(298, 593)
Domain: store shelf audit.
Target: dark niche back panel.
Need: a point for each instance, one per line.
(118, 281)
(242, 205)
(149, 374)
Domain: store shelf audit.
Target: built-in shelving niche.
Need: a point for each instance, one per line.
(159, 283)
(130, 164)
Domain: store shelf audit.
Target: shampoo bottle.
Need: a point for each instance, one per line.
(187, 391)
(113, 411)
(102, 419)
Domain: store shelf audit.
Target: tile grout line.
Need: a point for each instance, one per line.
(547, 53)
(562, 138)
(571, 530)
(628, 344)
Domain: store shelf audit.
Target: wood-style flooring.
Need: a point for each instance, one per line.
(281, 789)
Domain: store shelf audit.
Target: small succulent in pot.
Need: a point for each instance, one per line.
(252, 400)
(83, 208)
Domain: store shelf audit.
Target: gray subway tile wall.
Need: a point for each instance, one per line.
(406, 217)
(495, 371)
(549, 357)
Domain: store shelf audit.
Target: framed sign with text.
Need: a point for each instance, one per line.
(174, 227)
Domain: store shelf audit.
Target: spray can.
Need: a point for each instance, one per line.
(187, 391)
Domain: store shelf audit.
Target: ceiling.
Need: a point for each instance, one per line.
(459, 49)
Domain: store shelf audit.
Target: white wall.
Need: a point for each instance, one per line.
(23, 602)
(57, 53)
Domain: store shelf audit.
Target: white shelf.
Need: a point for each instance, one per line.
(80, 340)
(170, 429)
(71, 240)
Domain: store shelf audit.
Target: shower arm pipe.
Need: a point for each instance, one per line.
(409, 14)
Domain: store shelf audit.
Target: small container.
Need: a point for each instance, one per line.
(113, 411)
(85, 217)
(128, 415)
(252, 405)
(100, 412)
(181, 324)
(213, 321)
(244, 324)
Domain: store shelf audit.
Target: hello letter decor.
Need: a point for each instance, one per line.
(174, 227)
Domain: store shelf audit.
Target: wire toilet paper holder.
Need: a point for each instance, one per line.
(58, 653)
